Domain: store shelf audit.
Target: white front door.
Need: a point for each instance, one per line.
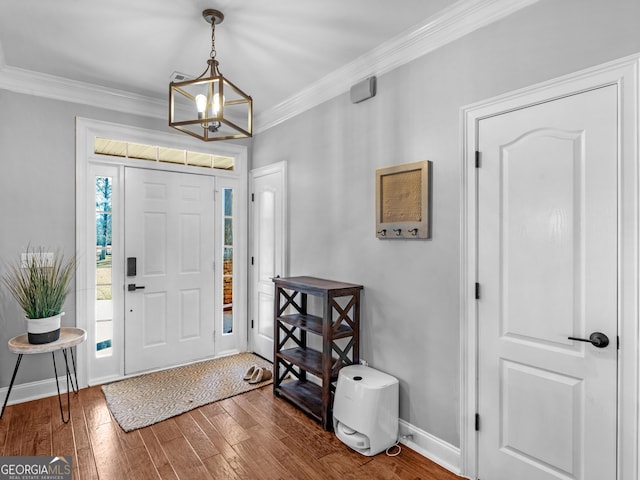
(268, 252)
(547, 271)
(169, 301)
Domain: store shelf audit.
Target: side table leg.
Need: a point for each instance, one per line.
(75, 372)
(55, 371)
(15, 371)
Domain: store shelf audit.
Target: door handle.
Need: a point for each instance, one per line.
(132, 287)
(597, 339)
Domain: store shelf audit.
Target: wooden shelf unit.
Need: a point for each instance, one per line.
(339, 319)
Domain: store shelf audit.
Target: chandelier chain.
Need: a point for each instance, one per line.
(212, 55)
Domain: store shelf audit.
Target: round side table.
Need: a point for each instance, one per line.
(69, 337)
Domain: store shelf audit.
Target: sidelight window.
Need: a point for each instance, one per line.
(103, 278)
(227, 258)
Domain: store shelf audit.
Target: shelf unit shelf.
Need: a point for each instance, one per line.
(339, 320)
(306, 395)
(313, 324)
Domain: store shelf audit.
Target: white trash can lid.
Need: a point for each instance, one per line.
(370, 377)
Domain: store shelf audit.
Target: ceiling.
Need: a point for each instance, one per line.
(271, 49)
(281, 52)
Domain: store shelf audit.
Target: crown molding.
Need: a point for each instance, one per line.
(58, 88)
(454, 22)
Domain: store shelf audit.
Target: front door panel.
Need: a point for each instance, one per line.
(169, 228)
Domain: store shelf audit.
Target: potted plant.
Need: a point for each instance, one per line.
(40, 282)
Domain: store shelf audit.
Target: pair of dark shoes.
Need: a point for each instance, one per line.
(257, 374)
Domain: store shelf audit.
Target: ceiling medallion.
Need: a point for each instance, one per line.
(210, 107)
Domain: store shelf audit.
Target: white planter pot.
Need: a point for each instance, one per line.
(44, 330)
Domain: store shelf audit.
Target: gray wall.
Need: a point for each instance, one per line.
(37, 200)
(410, 321)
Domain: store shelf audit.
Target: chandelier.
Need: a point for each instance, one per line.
(210, 107)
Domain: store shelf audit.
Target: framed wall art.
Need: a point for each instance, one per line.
(403, 201)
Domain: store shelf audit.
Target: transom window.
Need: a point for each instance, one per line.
(140, 151)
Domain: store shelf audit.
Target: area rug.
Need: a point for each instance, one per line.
(147, 399)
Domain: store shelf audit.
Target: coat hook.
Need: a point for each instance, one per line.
(413, 231)
(383, 232)
(397, 230)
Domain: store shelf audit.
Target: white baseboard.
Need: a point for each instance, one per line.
(26, 392)
(427, 445)
(105, 379)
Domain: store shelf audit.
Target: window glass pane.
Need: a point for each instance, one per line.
(228, 292)
(103, 194)
(199, 159)
(228, 202)
(103, 231)
(223, 163)
(110, 147)
(228, 261)
(228, 231)
(171, 155)
(141, 151)
(103, 281)
(227, 320)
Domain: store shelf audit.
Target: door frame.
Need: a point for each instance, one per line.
(277, 167)
(624, 73)
(91, 371)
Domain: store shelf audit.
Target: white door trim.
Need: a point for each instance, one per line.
(278, 167)
(86, 131)
(267, 170)
(625, 74)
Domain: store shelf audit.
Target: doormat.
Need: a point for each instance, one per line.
(150, 398)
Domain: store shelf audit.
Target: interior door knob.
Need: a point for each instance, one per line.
(597, 339)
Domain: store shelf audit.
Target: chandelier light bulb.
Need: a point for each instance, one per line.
(201, 105)
(217, 105)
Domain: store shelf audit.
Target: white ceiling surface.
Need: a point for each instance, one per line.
(273, 50)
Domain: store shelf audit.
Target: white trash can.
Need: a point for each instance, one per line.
(365, 409)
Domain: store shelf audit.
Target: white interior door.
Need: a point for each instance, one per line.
(169, 230)
(268, 252)
(547, 267)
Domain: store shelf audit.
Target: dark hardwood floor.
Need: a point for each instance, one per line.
(251, 436)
